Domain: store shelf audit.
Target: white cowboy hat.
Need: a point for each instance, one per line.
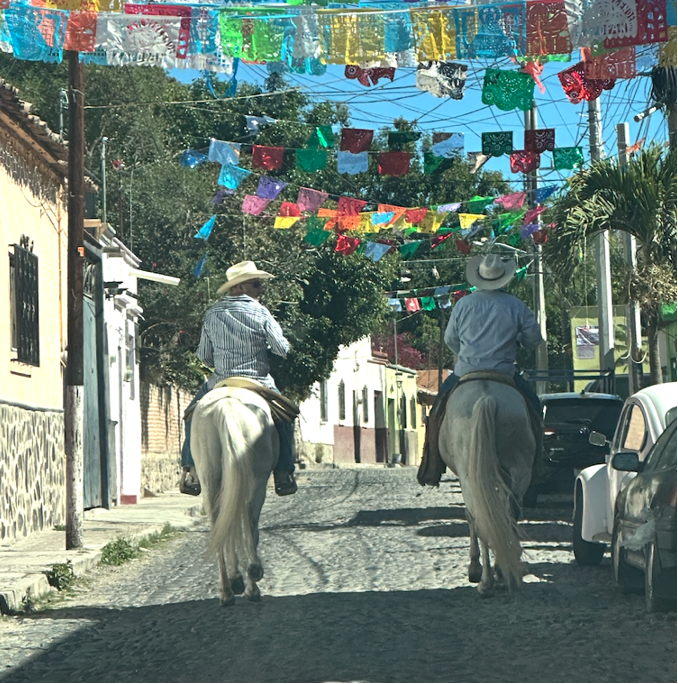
(242, 271)
(490, 272)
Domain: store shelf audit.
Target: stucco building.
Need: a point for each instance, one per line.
(33, 235)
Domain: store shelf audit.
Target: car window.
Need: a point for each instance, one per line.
(599, 415)
(621, 429)
(670, 416)
(663, 454)
(636, 430)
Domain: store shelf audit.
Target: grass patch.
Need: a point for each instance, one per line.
(122, 550)
(61, 576)
(60, 528)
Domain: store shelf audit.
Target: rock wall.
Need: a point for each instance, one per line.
(162, 434)
(32, 471)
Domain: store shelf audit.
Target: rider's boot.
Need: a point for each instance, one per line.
(189, 483)
(285, 484)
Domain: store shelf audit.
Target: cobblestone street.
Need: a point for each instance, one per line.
(365, 580)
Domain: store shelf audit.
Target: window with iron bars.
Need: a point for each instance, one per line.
(25, 328)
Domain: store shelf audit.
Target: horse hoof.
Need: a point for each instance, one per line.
(475, 573)
(254, 597)
(255, 572)
(230, 601)
(485, 592)
(238, 585)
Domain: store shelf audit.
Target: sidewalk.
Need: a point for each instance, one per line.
(23, 563)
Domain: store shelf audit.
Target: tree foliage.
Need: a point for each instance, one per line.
(323, 299)
(638, 199)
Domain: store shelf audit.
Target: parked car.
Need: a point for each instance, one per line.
(569, 419)
(644, 530)
(644, 417)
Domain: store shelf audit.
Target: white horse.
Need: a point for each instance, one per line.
(486, 439)
(235, 446)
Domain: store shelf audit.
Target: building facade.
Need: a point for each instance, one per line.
(365, 412)
(33, 275)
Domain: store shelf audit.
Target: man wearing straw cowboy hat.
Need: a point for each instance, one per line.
(484, 331)
(237, 333)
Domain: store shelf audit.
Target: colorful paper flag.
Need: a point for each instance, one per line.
(310, 200)
(356, 140)
(394, 163)
(269, 158)
(269, 188)
(231, 176)
(285, 222)
(206, 229)
(254, 205)
(224, 152)
(352, 164)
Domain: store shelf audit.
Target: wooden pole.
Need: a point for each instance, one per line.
(74, 413)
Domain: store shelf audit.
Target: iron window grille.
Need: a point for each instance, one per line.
(25, 305)
(366, 405)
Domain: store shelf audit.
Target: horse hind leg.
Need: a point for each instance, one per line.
(234, 574)
(227, 596)
(475, 570)
(487, 579)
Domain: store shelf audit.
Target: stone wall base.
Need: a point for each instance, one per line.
(160, 472)
(32, 471)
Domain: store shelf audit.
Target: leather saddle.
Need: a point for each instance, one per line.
(281, 407)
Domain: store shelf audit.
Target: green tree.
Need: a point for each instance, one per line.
(639, 199)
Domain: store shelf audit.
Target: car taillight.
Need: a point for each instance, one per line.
(549, 432)
(672, 497)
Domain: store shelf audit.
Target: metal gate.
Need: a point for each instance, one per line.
(95, 433)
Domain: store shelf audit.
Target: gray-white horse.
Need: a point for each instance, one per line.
(487, 440)
(235, 445)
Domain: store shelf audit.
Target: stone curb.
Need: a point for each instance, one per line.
(36, 585)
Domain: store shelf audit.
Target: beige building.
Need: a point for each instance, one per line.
(33, 235)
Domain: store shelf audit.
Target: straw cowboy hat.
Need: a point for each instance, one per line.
(490, 272)
(241, 272)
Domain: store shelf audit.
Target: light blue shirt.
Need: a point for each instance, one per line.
(485, 329)
(237, 333)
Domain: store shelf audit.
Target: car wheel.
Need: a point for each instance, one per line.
(627, 577)
(653, 603)
(585, 552)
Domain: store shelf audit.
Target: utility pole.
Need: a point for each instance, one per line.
(74, 413)
(104, 218)
(531, 185)
(603, 279)
(633, 312)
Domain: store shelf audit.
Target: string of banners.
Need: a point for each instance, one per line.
(352, 155)
(304, 38)
(410, 227)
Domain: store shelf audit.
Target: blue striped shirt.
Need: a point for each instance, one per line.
(236, 334)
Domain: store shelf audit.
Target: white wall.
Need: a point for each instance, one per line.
(122, 313)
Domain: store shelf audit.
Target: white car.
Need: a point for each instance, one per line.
(643, 419)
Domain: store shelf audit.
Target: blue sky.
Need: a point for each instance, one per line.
(377, 106)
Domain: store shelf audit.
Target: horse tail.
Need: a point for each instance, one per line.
(492, 510)
(232, 525)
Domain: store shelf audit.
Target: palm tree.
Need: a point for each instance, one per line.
(640, 199)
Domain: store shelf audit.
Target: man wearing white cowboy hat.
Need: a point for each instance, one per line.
(484, 331)
(237, 333)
